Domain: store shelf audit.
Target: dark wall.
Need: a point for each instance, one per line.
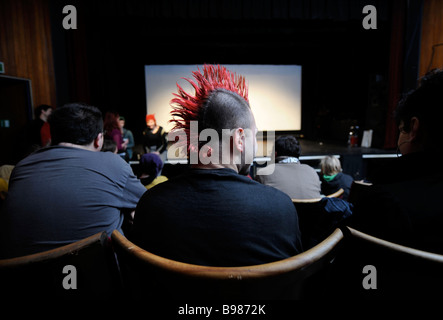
(344, 65)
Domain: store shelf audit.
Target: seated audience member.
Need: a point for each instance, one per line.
(68, 191)
(154, 136)
(150, 167)
(214, 214)
(403, 204)
(5, 171)
(298, 181)
(332, 178)
(109, 145)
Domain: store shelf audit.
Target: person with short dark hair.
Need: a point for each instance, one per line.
(418, 116)
(69, 191)
(297, 180)
(403, 204)
(214, 214)
(109, 145)
(287, 147)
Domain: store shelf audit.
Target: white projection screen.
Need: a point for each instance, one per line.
(274, 93)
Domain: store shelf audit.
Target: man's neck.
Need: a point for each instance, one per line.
(89, 147)
(215, 166)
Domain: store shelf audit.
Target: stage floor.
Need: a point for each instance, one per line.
(310, 147)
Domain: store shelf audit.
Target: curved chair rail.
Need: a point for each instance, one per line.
(53, 254)
(299, 261)
(434, 257)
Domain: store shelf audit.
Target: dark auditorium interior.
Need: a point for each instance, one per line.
(351, 76)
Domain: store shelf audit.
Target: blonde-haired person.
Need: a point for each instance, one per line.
(332, 178)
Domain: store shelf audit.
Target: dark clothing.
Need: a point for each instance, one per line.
(341, 180)
(116, 135)
(319, 219)
(154, 141)
(403, 205)
(217, 218)
(34, 135)
(59, 195)
(405, 168)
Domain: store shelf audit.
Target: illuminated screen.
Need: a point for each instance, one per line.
(274, 93)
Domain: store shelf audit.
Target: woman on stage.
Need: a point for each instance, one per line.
(154, 137)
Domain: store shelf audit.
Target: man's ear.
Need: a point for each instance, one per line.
(415, 127)
(239, 139)
(98, 142)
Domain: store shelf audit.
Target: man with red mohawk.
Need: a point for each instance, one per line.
(213, 214)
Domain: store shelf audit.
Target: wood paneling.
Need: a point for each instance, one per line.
(431, 36)
(26, 48)
(395, 71)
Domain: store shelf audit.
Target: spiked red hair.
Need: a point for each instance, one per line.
(186, 107)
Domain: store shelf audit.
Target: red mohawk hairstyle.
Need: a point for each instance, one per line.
(186, 107)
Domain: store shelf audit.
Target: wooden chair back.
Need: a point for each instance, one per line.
(393, 271)
(85, 269)
(358, 189)
(148, 275)
(315, 223)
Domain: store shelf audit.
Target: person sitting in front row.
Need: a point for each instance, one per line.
(215, 215)
(150, 167)
(109, 145)
(298, 181)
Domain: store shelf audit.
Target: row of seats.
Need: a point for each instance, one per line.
(103, 267)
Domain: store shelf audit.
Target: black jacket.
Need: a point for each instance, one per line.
(217, 218)
(341, 180)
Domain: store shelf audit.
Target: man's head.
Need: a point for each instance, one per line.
(43, 111)
(419, 115)
(77, 124)
(221, 111)
(121, 122)
(287, 146)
